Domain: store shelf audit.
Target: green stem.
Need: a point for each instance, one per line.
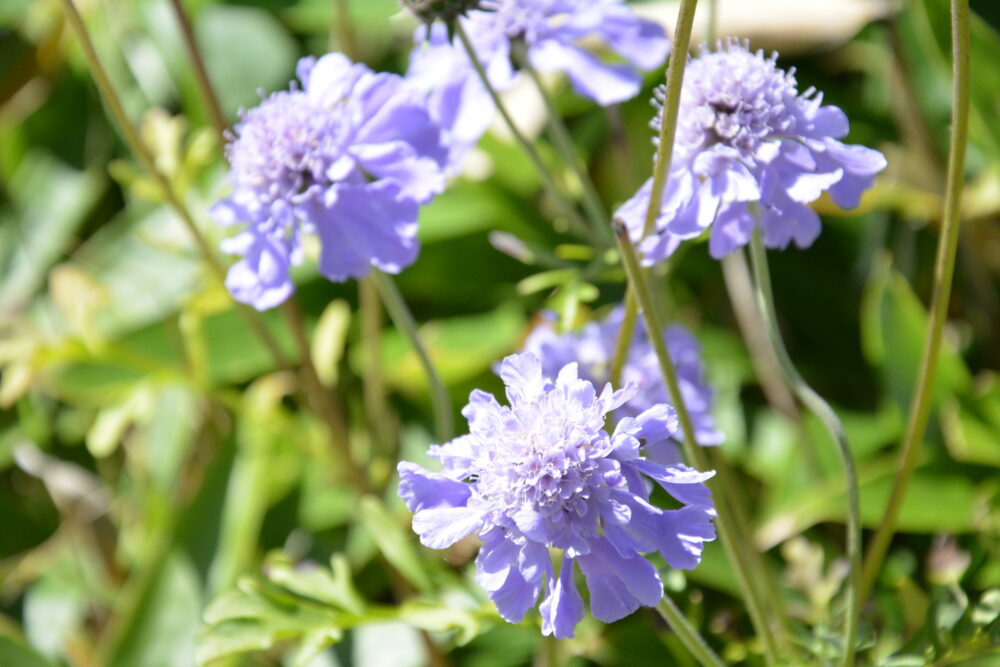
(735, 548)
(343, 28)
(563, 142)
(625, 335)
(573, 216)
(204, 84)
(664, 148)
(686, 632)
(135, 142)
(380, 419)
(819, 407)
(322, 401)
(404, 321)
(944, 269)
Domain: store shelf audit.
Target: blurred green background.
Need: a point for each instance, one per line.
(151, 455)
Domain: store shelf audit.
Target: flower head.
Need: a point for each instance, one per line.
(593, 348)
(543, 473)
(551, 32)
(750, 149)
(349, 157)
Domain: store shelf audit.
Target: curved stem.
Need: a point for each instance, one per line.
(735, 548)
(944, 269)
(686, 632)
(819, 407)
(142, 154)
(563, 142)
(404, 321)
(548, 182)
(201, 73)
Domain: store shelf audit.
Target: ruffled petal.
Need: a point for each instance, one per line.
(422, 489)
(441, 527)
(562, 608)
(601, 82)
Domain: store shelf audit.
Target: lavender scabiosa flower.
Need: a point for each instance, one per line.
(750, 150)
(543, 473)
(593, 348)
(349, 157)
(551, 32)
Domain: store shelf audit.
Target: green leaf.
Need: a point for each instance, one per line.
(329, 338)
(15, 654)
(245, 50)
(894, 328)
(53, 610)
(460, 347)
(52, 201)
(166, 624)
(333, 587)
(398, 547)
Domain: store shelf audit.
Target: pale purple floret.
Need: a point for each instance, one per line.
(543, 473)
(551, 31)
(593, 348)
(750, 150)
(349, 157)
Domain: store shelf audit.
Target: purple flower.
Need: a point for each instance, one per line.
(543, 473)
(551, 31)
(593, 348)
(349, 158)
(750, 150)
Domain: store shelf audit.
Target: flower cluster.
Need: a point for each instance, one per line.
(349, 157)
(543, 473)
(551, 32)
(750, 150)
(593, 348)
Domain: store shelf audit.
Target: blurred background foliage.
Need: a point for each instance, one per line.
(152, 457)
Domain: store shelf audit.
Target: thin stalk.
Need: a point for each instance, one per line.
(686, 632)
(573, 216)
(321, 399)
(944, 270)
(819, 407)
(624, 341)
(665, 145)
(343, 28)
(735, 548)
(563, 142)
(208, 95)
(135, 142)
(403, 319)
(380, 419)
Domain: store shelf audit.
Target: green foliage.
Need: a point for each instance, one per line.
(170, 496)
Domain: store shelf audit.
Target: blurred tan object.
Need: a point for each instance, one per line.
(788, 26)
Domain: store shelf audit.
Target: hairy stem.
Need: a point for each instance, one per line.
(404, 321)
(736, 549)
(573, 216)
(944, 270)
(142, 153)
(208, 95)
(819, 407)
(686, 632)
(624, 341)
